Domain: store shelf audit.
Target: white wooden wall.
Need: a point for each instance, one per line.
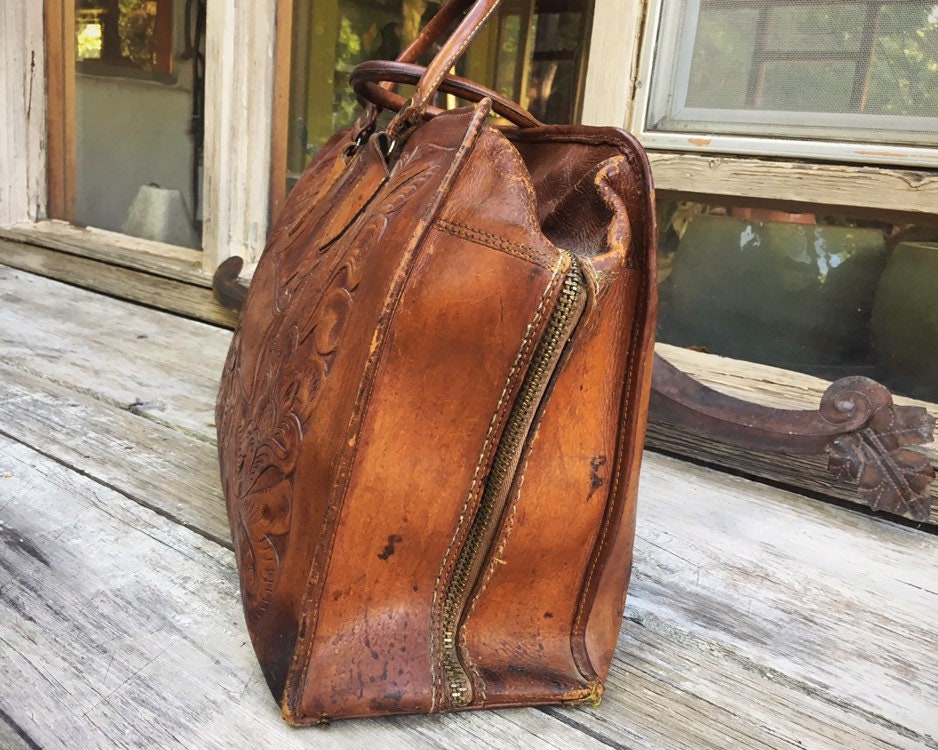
(613, 62)
(239, 95)
(22, 112)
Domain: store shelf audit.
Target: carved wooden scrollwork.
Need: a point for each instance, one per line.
(866, 436)
(229, 291)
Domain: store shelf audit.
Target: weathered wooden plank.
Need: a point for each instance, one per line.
(135, 286)
(157, 466)
(22, 91)
(613, 62)
(60, 131)
(14, 738)
(179, 478)
(841, 603)
(664, 691)
(163, 367)
(120, 628)
(238, 127)
(876, 188)
(723, 566)
(142, 632)
(149, 256)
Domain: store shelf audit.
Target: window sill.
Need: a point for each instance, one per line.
(156, 258)
(149, 273)
(874, 189)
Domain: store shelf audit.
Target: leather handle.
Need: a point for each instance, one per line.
(477, 16)
(434, 29)
(367, 77)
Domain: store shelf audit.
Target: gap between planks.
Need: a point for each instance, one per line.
(148, 648)
(719, 614)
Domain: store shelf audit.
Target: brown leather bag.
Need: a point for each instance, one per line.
(431, 418)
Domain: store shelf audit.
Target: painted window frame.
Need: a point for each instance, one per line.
(647, 101)
(238, 128)
(240, 135)
(692, 166)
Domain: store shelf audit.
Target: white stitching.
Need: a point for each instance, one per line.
(483, 459)
(620, 460)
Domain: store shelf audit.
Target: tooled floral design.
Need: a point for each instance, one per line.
(267, 414)
(265, 410)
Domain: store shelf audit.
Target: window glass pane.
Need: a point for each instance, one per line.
(784, 85)
(859, 70)
(126, 33)
(534, 52)
(826, 295)
(814, 28)
(139, 93)
(722, 64)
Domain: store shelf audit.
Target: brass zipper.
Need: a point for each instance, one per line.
(469, 563)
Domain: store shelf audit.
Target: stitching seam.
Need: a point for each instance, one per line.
(487, 447)
(524, 252)
(615, 482)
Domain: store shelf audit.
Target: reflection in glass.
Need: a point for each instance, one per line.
(826, 295)
(126, 33)
(139, 93)
(534, 52)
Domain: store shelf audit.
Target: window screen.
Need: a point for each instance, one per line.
(841, 71)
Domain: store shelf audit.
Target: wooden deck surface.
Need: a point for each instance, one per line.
(756, 618)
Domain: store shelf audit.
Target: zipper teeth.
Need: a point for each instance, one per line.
(516, 429)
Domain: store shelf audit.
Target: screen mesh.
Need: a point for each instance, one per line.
(830, 69)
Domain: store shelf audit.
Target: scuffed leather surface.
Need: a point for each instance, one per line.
(384, 338)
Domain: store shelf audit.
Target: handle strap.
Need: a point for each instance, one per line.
(367, 77)
(437, 26)
(453, 49)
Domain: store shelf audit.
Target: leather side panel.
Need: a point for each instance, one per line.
(447, 359)
(571, 525)
(290, 383)
(602, 598)
(517, 633)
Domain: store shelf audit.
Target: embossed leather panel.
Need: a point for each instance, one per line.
(431, 418)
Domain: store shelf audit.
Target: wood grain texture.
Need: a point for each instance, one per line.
(664, 692)
(146, 289)
(59, 81)
(122, 628)
(89, 341)
(615, 43)
(121, 449)
(280, 127)
(667, 689)
(22, 91)
(156, 258)
(881, 189)
(838, 603)
(756, 618)
(239, 96)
